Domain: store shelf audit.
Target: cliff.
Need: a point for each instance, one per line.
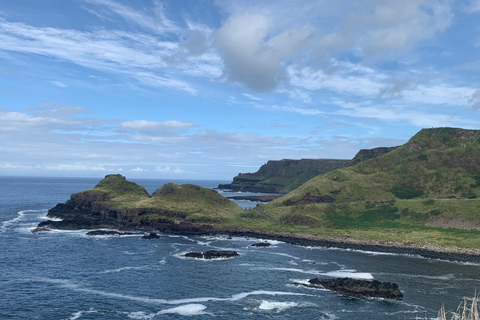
(286, 175)
(282, 176)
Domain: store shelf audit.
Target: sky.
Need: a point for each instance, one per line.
(199, 89)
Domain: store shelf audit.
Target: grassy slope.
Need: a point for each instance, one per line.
(441, 162)
(193, 201)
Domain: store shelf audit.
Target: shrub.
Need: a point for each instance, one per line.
(422, 157)
(429, 202)
(406, 191)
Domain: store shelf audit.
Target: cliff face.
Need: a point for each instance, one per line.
(286, 175)
(282, 176)
(118, 203)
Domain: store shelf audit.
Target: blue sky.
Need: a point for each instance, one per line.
(207, 89)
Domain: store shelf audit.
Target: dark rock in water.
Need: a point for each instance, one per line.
(196, 255)
(151, 236)
(261, 244)
(41, 229)
(359, 288)
(107, 233)
(212, 254)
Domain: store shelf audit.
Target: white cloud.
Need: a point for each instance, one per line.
(59, 84)
(169, 169)
(158, 22)
(249, 58)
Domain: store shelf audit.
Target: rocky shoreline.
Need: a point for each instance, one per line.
(425, 250)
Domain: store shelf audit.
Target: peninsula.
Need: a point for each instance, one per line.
(419, 198)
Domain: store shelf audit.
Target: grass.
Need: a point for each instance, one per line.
(464, 312)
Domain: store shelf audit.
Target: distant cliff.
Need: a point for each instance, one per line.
(283, 176)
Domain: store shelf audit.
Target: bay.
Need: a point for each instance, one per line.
(69, 275)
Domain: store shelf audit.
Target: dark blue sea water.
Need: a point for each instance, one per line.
(68, 275)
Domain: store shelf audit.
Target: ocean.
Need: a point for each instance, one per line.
(69, 275)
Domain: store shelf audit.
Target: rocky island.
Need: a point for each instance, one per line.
(358, 288)
(117, 203)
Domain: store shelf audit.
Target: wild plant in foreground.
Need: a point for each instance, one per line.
(463, 312)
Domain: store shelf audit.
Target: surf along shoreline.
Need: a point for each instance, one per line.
(425, 250)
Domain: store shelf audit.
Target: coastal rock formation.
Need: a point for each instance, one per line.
(262, 244)
(107, 233)
(359, 288)
(151, 236)
(212, 254)
(116, 203)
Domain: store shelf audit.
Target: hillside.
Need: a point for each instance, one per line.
(118, 203)
(286, 175)
(441, 162)
(424, 191)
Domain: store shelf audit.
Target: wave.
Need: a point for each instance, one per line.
(334, 274)
(127, 268)
(236, 297)
(20, 216)
(186, 310)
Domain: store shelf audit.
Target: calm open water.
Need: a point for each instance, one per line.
(68, 275)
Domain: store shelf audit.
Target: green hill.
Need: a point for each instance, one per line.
(118, 203)
(411, 193)
(441, 162)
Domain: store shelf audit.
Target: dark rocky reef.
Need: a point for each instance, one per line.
(262, 244)
(212, 254)
(359, 288)
(151, 236)
(107, 233)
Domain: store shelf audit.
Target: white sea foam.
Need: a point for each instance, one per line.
(79, 314)
(186, 310)
(20, 216)
(337, 274)
(78, 288)
(276, 306)
(127, 268)
(349, 274)
(140, 315)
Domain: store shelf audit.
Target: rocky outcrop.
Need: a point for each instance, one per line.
(359, 288)
(212, 254)
(107, 233)
(365, 154)
(116, 203)
(151, 236)
(262, 244)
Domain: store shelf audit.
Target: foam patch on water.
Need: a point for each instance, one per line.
(349, 274)
(192, 309)
(20, 216)
(276, 306)
(127, 268)
(79, 314)
(140, 315)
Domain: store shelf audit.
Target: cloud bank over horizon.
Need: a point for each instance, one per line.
(205, 90)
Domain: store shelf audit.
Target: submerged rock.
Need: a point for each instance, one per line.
(359, 288)
(261, 244)
(151, 236)
(107, 233)
(212, 254)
